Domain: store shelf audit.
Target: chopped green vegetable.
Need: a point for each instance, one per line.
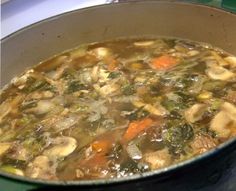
(171, 105)
(170, 42)
(33, 145)
(137, 114)
(176, 137)
(9, 160)
(33, 84)
(28, 104)
(26, 120)
(113, 75)
(215, 103)
(69, 74)
(128, 89)
(207, 131)
(8, 136)
(175, 105)
(175, 115)
(187, 81)
(216, 87)
(74, 86)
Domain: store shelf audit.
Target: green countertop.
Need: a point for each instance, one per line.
(6, 185)
(225, 4)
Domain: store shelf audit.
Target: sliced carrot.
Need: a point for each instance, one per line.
(112, 64)
(135, 128)
(163, 62)
(97, 160)
(101, 146)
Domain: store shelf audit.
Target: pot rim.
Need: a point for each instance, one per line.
(111, 181)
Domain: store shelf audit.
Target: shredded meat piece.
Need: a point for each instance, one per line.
(202, 143)
(158, 159)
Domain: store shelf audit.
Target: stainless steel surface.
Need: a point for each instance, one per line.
(16, 14)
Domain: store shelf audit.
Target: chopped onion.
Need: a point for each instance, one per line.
(39, 95)
(65, 123)
(94, 73)
(96, 110)
(144, 43)
(134, 152)
(41, 167)
(106, 89)
(43, 106)
(101, 52)
(103, 75)
(158, 159)
(193, 53)
(158, 110)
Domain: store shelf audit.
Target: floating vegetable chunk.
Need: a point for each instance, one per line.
(117, 108)
(158, 159)
(61, 147)
(224, 122)
(41, 167)
(195, 113)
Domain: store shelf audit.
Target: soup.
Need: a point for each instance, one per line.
(117, 108)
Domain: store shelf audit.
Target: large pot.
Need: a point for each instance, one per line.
(196, 22)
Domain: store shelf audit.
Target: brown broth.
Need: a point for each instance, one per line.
(117, 108)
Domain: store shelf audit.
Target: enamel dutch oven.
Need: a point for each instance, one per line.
(27, 47)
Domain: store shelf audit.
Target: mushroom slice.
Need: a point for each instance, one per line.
(61, 147)
(158, 159)
(195, 113)
(216, 72)
(219, 124)
(231, 60)
(230, 109)
(224, 122)
(41, 167)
